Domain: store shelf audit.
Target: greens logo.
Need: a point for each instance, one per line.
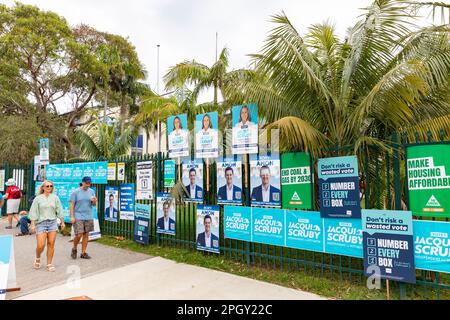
(432, 202)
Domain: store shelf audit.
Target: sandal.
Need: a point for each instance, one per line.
(37, 263)
(51, 268)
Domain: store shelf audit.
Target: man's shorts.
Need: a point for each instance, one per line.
(47, 226)
(83, 226)
(12, 206)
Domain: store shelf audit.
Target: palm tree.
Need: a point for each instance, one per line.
(388, 74)
(101, 140)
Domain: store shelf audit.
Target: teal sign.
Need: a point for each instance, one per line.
(304, 230)
(344, 237)
(169, 173)
(268, 226)
(74, 172)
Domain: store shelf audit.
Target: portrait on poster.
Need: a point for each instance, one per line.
(245, 129)
(178, 136)
(193, 180)
(207, 135)
(229, 181)
(265, 180)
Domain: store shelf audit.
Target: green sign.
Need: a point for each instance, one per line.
(169, 173)
(296, 181)
(428, 169)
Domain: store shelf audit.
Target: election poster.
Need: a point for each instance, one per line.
(265, 180)
(193, 180)
(245, 129)
(74, 172)
(304, 230)
(169, 173)
(428, 169)
(237, 222)
(268, 226)
(388, 244)
(165, 214)
(38, 170)
(127, 201)
(144, 180)
(296, 181)
(100, 173)
(343, 237)
(121, 171)
(141, 223)
(44, 154)
(112, 171)
(432, 245)
(111, 203)
(229, 181)
(208, 220)
(339, 187)
(207, 135)
(178, 136)
(7, 265)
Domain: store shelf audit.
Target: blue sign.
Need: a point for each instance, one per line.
(165, 214)
(344, 237)
(111, 203)
(229, 181)
(388, 244)
(339, 187)
(6, 245)
(265, 175)
(207, 135)
(268, 226)
(74, 172)
(238, 222)
(432, 245)
(127, 201)
(141, 223)
(208, 222)
(304, 230)
(245, 129)
(178, 136)
(193, 180)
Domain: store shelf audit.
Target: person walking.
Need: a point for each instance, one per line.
(81, 202)
(13, 195)
(44, 213)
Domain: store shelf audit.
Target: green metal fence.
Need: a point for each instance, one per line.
(382, 184)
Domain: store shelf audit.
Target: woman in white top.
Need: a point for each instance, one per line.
(178, 137)
(207, 139)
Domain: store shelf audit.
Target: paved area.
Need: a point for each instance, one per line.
(30, 280)
(115, 273)
(162, 279)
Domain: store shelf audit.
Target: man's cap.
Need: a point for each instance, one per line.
(86, 180)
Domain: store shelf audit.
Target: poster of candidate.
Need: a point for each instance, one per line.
(44, 154)
(339, 187)
(193, 180)
(265, 180)
(208, 228)
(165, 214)
(178, 136)
(207, 135)
(245, 129)
(111, 203)
(229, 181)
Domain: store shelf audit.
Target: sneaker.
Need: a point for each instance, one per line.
(74, 253)
(8, 227)
(85, 256)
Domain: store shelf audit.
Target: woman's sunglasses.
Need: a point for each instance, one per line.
(48, 186)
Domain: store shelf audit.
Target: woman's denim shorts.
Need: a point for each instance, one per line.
(46, 226)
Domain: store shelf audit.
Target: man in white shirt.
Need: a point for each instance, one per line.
(194, 191)
(207, 239)
(165, 222)
(265, 192)
(229, 191)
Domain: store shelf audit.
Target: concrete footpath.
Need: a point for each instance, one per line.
(115, 273)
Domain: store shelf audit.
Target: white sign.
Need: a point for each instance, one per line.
(112, 168)
(7, 265)
(121, 171)
(144, 182)
(44, 151)
(2, 180)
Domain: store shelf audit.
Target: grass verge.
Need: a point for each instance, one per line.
(329, 286)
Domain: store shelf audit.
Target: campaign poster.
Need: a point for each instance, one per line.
(121, 171)
(7, 265)
(296, 181)
(207, 135)
(178, 136)
(268, 226)
(339, 187)
(66, 172)
(39, 170)
(193, 180)
(388, 244)
(245, 129)
(89, 169)
(428, 171)
(142, 223)
(238, 222)
(432, 245)
(77, 172)
(111, 203)
(304, 230)
(112, 171)
(265, 180)
(100, 173)
(127, 201)
(44, 154)
(144, 180)
(165, 214)
(208, 220)
(229, 181)
(169, 173)
(343, 237)
(96, 234)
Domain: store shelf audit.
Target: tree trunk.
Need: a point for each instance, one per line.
(123, 113)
